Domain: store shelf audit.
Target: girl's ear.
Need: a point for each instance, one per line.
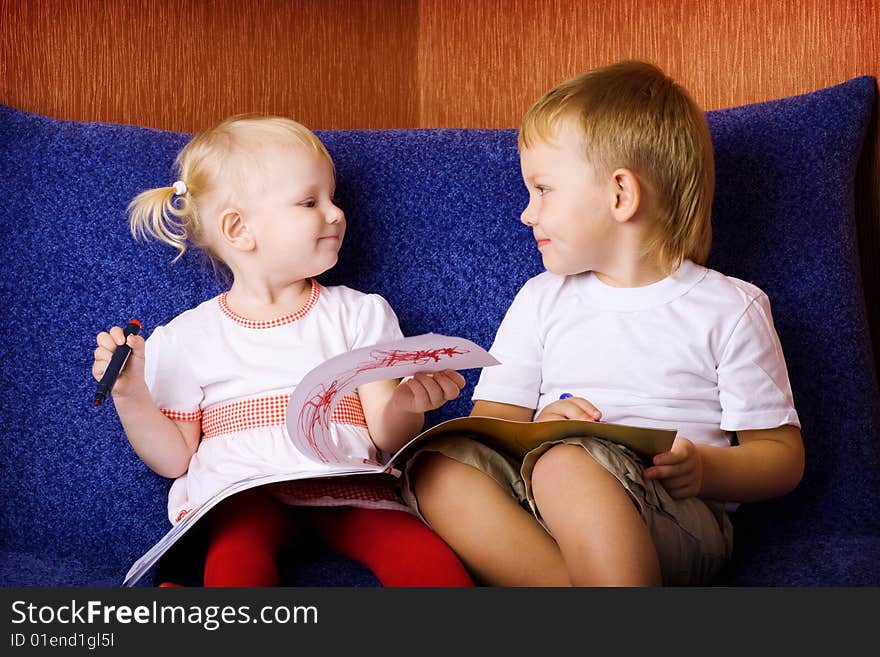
(235, 231)
(627, 195)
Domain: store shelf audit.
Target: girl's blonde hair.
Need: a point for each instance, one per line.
(215, 162)
(632, 115)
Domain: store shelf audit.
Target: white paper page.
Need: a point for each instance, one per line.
(142, 565)
(312, 402)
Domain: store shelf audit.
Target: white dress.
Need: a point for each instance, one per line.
(235, 376)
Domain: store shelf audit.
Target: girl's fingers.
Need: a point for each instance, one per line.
(455, 377)
(430, 390)
(137, 344)
(418, 392)
(448, 385)
(106, 340)
(98, 369)
(117, 335)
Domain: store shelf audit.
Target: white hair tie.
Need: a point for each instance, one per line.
(179, 188)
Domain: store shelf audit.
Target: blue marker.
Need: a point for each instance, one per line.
(566, 395)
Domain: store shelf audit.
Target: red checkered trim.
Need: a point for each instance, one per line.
(278, 321)
(247, 414)
(270, 412)
(195, 416)
(371, 489)
(349, 411)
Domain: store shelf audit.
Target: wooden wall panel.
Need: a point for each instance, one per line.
(183, 64)
(482, 63)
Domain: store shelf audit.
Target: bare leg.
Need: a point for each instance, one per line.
(500, 542)
(603, 539)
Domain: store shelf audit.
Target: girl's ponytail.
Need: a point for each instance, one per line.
(164, 214)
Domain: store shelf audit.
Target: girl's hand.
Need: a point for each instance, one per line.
(426, 391)
(680, 470)
(132, 376)
(572, 408)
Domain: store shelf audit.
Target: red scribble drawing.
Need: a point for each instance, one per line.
(316, 411)
(419, 357)
(314, 417)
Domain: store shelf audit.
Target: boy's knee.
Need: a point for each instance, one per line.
(433, 475)
(558, 464)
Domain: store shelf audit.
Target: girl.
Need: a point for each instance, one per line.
(199, 400)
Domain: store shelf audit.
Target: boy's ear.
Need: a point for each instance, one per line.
(627, 193)
(235, 231)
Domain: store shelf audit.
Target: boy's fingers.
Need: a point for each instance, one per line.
(586, 406)
(681, 481)
(666, 472)
(570, 410)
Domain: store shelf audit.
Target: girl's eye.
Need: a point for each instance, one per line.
(541, 190)
(308, 204)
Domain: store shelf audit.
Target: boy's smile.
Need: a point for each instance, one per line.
(569, 206)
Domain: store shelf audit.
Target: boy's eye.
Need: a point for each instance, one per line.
(308, 203)
(541, 190)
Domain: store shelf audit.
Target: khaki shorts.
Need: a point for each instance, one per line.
(693, 537)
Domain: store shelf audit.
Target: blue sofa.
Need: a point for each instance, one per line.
(433, 226)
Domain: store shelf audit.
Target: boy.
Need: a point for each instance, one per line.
(625, 325)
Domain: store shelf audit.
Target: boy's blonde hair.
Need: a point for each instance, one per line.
(634, 116)
(214, 162)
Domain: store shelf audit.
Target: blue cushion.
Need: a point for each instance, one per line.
(433, 226)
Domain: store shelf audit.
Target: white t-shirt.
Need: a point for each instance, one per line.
(696, 352)
(236, 375)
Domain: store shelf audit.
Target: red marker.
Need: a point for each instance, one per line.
(117, 362)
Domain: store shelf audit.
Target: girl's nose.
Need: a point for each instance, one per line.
(335, 214)
(527, 218)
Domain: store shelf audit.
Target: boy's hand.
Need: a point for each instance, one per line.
(572, 408)
(426, 391)
(132, 376)
(680, 470)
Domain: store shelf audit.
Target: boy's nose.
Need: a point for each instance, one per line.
(527, 218)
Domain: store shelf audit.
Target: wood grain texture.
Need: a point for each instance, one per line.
(183, 64)
(481, 64)
(486, 61)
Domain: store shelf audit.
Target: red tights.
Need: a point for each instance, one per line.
(251, 529)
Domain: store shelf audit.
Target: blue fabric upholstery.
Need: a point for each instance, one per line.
(433, 226)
